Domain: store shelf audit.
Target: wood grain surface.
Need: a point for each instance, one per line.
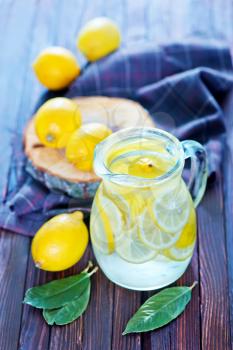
(27, 26)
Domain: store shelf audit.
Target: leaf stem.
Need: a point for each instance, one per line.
(89, 265)
(93, 271)
(193, 285)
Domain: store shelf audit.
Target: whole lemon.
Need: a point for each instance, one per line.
(56, 67)
(60, 242)
(98, 38)
(56, 120)
(81, 145)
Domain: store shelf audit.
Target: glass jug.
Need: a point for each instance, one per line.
(143, 221)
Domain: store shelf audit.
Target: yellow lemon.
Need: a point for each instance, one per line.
(150, 167)
(56, 67)
(81, 145)
(60, 242)
(98, 38)
(56, 120)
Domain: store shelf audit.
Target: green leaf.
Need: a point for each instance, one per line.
(57, 293)
(70, 311)
(159, 309)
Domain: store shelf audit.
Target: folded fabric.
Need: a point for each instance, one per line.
(183, 87)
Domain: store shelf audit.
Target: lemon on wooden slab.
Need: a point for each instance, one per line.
(81, 145)
(56, 120)
(98, 38)
(60, 242)
(56, 67)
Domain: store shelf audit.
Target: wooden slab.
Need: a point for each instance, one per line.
(116, 113)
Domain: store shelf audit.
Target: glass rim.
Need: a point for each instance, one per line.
(102, 170)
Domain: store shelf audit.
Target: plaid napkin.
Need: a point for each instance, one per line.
(182, 85)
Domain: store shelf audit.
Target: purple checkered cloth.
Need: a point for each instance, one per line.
(183, 86)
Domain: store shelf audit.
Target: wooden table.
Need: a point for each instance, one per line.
(26, 27)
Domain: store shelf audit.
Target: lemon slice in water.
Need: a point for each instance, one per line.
(106, 224)
(171, 210)
(131, 248)
(183, 248)
(179, 254)
(152, 235)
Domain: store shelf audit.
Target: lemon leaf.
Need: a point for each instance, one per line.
(71, 311)
(160, 309)
(57, 293)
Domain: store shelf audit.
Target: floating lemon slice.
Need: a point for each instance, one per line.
(183, 248)
(106, 224)
(179, 254)
(121, 202)
(171, 210)
(131, 204)
(131, 248)
(152, 236)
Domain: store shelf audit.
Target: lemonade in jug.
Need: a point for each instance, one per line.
(143, 220)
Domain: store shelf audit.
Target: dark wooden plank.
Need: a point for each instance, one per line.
(157, 340)
(97, 321)
(13, 263)
(228, 198)
(93, 329)
(184, 332)
(126, 303)
(69, 336)
(34, 331)
(213, 272)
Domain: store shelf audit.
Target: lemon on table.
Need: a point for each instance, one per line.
(56, 120)
(56, 67)
(183, 248)
(131, 248)
(98, 38)
(60, 242)
(81, 145)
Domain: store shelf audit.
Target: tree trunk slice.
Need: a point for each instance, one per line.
(50, 166)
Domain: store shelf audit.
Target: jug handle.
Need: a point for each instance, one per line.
(198, 171)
